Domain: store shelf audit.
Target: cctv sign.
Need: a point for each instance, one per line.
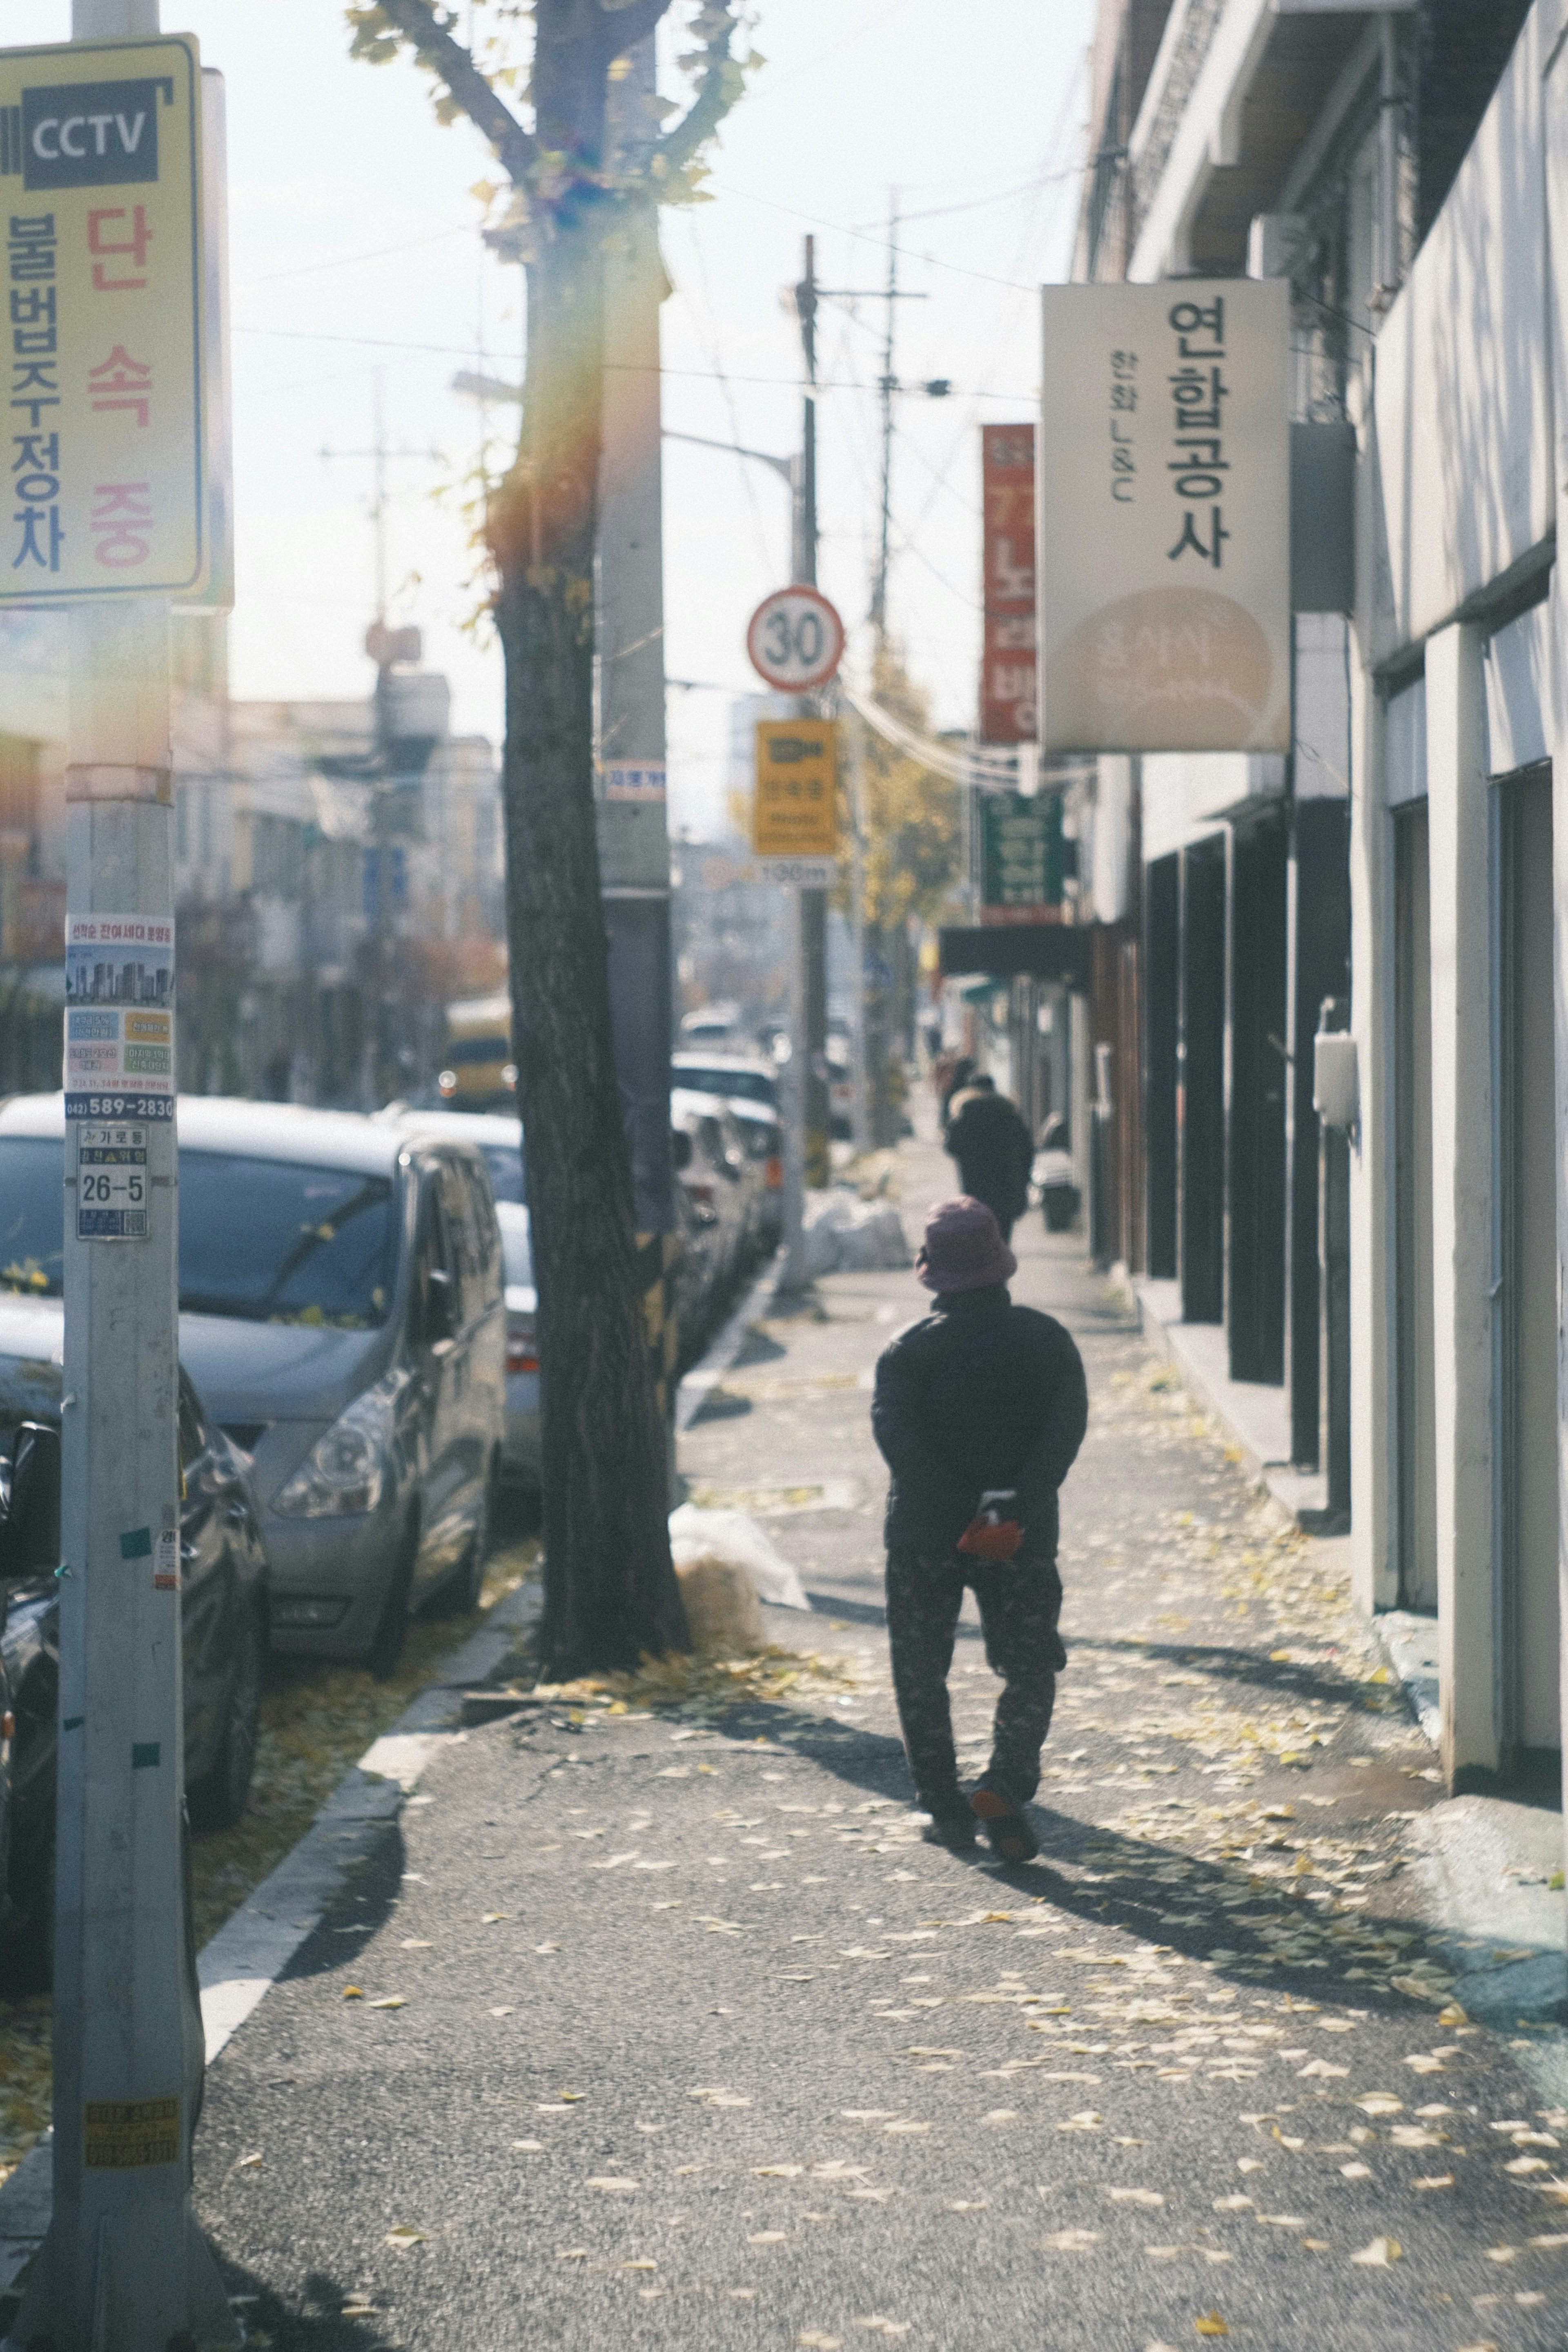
(100, 217)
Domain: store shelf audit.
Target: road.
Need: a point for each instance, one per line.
(696, 2044)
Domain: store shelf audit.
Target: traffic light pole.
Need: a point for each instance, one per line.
(124, 2264)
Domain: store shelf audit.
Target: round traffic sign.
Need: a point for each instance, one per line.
(795, 640)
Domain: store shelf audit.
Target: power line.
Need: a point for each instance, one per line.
(702, 375)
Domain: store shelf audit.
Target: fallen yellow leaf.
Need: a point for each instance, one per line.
(1379, 2255)
(403, 2234)
(1211, 2324)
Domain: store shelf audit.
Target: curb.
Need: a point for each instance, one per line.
(250, 1951)
(705, 1375)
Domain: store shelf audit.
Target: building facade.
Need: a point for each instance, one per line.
(1405, 169)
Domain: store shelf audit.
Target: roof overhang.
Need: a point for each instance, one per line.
(1269, 69)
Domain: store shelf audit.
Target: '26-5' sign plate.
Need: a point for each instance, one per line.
(795, 640)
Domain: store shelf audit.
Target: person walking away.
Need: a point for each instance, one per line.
(953, 1081)
(988, 1137)
(979, 1412)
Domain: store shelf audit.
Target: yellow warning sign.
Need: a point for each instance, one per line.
(795, 807)
(123, 2134)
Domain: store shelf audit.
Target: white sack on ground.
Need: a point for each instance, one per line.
(734, 1537)
(843, 1236)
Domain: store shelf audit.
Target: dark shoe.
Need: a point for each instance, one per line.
(1005, 1824)
(952, 1826)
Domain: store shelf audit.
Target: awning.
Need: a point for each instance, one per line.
(1045, 950)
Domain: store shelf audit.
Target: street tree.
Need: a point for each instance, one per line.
(611, 1596)
(910, 829)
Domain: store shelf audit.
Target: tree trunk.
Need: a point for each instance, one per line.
(610, 1590)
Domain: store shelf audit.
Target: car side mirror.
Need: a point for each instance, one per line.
(30, 1521)
(680, 1149)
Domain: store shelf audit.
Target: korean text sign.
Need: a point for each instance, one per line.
(794, 811)
(1164, 510)
(1021, 857)
(1007, 695)
(100, 206)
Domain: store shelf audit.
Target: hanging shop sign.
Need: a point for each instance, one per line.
(1164, 506)
(1020, 857)
(100, 205)
(794, 801)
(1007, 687)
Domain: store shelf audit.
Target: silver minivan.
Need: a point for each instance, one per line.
(341, 1313)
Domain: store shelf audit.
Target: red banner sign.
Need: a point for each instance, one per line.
(1008, 713)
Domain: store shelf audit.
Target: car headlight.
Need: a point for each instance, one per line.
(346, 1469)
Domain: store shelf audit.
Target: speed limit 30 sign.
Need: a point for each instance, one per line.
(795, 640)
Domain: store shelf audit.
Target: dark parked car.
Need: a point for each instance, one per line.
(223, 1606)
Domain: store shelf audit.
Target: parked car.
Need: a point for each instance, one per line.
(743, 1077)
(341, 1309)
(500, 1141)
(747, 1088)
(723, 1181)
(476, 1071)
(224, 1604)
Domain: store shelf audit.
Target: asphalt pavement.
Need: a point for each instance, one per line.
(662, 2027)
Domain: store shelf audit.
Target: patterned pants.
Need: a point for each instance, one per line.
(1020, 1603)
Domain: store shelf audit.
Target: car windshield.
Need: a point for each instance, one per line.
(504, 1161)
(750, 1085)
(261, 1239)
(272, 1242)
(32, 1215)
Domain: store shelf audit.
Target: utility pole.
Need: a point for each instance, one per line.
(385, 646)
(886, 386)
(818, 1163)
(125, 2263)
(630, 784)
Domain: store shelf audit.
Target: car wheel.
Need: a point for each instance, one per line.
(459, 1596)
(27, 1954)
(219, 1800)
(391, 1626)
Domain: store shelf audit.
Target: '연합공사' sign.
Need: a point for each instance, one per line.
(1007, 685)
(1164, 504)
(1020, 857)
(99, 207)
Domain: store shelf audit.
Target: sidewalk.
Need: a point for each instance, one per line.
(653, 2079)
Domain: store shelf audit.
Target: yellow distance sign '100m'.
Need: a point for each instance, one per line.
(99, 209)
(794, 808)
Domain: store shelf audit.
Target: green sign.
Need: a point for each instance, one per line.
(1020, 857)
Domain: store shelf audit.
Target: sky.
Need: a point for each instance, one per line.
(358, 277)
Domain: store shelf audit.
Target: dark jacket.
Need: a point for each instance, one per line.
(982, 1394)
(988, 1138)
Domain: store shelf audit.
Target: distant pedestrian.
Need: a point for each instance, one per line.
(979, 1412)
(987, 1135)
(951, 1081)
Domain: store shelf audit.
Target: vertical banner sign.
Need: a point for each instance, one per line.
(1008, 713)
(795, 805)
(99, 186)
(1020, 857)
(1164, 506)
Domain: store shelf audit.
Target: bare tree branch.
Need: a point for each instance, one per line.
(707, 109)
(435, 47)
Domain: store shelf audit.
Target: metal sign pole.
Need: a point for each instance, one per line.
(124, 2261)
(792, 1277)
